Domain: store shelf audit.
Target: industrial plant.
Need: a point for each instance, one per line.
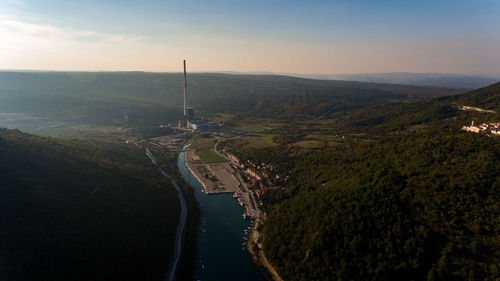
(189, 121)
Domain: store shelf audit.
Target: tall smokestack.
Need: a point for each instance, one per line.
(185, 93)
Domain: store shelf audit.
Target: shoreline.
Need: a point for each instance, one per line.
(259, 256)
(199, 222)
(193, 173)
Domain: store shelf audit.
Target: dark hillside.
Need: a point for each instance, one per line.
(80, 210)
(415, 207)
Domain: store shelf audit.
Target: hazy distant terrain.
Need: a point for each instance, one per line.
(421, 79)
(45, 99)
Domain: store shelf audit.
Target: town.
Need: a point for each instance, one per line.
(493, 128)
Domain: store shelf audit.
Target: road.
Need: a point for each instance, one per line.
(179, 236)
(471, 108)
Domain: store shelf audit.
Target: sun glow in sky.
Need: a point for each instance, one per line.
(294, 36)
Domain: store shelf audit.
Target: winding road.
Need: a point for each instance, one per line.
(179, 236)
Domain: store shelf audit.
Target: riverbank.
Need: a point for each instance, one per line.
(179, 237)
(196, 175)
(187, 265)
(255, 249)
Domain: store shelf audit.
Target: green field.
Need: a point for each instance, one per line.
(256, 124)
(210, 157)
(323, 137)
(310, 144)
(248, 127)
(419, 127)
(252, 142)
(200, 142)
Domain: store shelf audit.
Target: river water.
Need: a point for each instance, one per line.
(222, 230)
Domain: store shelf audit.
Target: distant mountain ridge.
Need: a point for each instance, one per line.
(421, 79)
(404, 78)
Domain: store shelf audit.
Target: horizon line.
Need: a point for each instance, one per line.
(491, 76)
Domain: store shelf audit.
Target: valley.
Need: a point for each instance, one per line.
(249, 140)
(322, 166)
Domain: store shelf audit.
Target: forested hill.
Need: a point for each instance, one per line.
(487, 98)
(80, 210)
(105, 97)
(439, 113)
(418, 201)
(413, 207)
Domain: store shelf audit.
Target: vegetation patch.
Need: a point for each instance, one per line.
(250, 127)
(310, 144)
(203, 142)
(209, 157)
(250, 142)
(323, 137)
(419, 127)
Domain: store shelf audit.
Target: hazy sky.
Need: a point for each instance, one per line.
(300, 36)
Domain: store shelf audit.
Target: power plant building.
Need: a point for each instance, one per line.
(200, 125)
(188, 121)
(190, 114)
(185, 120)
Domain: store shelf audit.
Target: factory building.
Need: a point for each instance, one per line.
(185, 119)
(200, 125)
(190, 114)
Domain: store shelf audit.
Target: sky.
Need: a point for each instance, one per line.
(295, 36)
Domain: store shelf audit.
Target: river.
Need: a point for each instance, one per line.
(222, 230)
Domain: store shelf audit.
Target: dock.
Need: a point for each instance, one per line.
(219, 178)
